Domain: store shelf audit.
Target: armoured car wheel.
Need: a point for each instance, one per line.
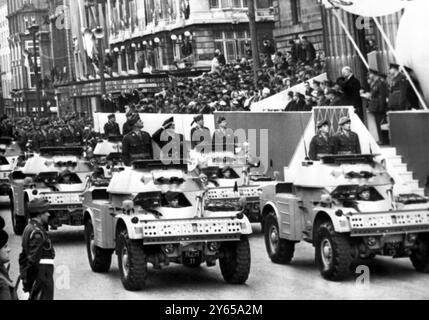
(420, 256)
(18, 222)
(235, 261)
(99, 259)
(279, 250)
(132, 262)
(333, 253)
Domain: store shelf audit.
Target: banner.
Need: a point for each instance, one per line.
(368, 8)
(278, 102)
(412, 49)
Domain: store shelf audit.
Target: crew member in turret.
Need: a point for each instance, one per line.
(321, 144)
(346, 141)
(137, 145)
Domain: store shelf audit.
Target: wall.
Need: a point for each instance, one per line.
(310, 25)
(410, 135)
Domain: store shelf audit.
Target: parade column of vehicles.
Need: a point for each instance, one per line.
(344, 206)
(158, 214)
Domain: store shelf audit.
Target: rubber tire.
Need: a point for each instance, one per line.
(285, 250)
(102, 259)
(18, 222)
(341, 251)
(420, 257)
(137, 274)
(235, 261)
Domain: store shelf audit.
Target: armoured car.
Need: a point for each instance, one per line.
(58, 174)
(159, 214)
(345, 207)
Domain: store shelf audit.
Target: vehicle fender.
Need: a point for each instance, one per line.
(341, 224)
(269, 206)
(132, 229)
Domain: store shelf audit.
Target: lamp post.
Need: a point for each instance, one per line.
(34, 30)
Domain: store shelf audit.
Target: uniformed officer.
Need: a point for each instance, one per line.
(127, 127)
(223, 137)
(37, 257)
(137, 145)
(346, 141)
(398, 85)
(321, 144)
(111, 128)
(71, 134)
(171, 143)
(199, 133)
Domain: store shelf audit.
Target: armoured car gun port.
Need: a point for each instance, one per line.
(345, 207)
(156, 213)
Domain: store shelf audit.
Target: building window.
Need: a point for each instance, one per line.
(232, 44)
(29, 63)
(296, 11)
(214, 4)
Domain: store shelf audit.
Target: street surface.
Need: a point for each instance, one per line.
(389, 279)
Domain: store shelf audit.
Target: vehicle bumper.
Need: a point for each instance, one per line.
(192, 230)
(389, 223)
(66, 215)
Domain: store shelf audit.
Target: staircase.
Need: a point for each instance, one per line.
(405, 182)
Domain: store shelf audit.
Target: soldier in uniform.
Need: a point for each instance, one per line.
(111, 128)
(223, 137)
(321, 143)
(164, 138)
(346, 141)
(71, 134)
(398, 85)
(137, 145)
(199, 133)
(37, 257)
(127, 127)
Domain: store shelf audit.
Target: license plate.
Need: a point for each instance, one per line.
(192, 254)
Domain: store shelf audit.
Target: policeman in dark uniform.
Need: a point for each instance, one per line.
(346, 141)
(37, 257)
(171, 143)
(199, 133)
(321, 144)
(111, 128)
(137, 145)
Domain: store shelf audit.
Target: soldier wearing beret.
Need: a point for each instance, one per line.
(36, 260)
(111, 128)
(171, 142)
(346, 141)
(321, 143)
(137, 145)
(172, 199)
(199, 133)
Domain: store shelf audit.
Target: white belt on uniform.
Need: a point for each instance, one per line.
(47, 261)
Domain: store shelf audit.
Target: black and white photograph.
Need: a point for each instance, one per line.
(211, 156)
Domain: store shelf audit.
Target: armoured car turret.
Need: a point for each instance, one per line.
(344, 206)
(159, 214)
